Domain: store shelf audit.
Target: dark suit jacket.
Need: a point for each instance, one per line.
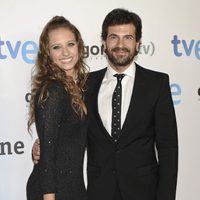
(144, 161)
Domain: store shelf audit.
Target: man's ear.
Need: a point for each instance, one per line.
(104, 45)
(138, 45)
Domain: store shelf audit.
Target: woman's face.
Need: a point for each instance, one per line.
(63, 49)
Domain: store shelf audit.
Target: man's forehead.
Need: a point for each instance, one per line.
(121, 30)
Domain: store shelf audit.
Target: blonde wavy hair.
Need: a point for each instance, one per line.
(45, 71)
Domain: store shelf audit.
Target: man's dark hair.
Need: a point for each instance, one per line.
(121, 16)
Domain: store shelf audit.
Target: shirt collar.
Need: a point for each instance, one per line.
(130, 71)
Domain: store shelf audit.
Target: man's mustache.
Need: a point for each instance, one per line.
(120, 49)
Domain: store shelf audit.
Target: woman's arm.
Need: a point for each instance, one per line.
(48, 118)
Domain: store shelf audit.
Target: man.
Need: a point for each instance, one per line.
(132, 152)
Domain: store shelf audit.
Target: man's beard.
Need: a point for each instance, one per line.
(119, 61)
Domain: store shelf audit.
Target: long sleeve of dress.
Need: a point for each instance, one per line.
(48, 120)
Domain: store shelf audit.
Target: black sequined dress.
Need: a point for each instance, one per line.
(62, 137)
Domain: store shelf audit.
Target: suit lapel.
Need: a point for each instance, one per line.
(94, 102)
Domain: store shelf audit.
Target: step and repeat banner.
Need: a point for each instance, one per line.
(170, 43)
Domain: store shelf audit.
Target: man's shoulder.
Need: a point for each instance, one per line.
(96, 76)
(97, 72)
(149, 73)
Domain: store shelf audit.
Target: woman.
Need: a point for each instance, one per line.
(59, 112)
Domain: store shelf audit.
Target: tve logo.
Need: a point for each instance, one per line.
(27, 50)
(176, 93)
(188, 48)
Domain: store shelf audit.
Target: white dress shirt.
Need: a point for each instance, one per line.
(106, 91)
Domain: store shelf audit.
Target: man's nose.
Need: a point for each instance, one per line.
(120, 42)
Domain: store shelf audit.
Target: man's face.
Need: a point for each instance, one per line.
(120, 46)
